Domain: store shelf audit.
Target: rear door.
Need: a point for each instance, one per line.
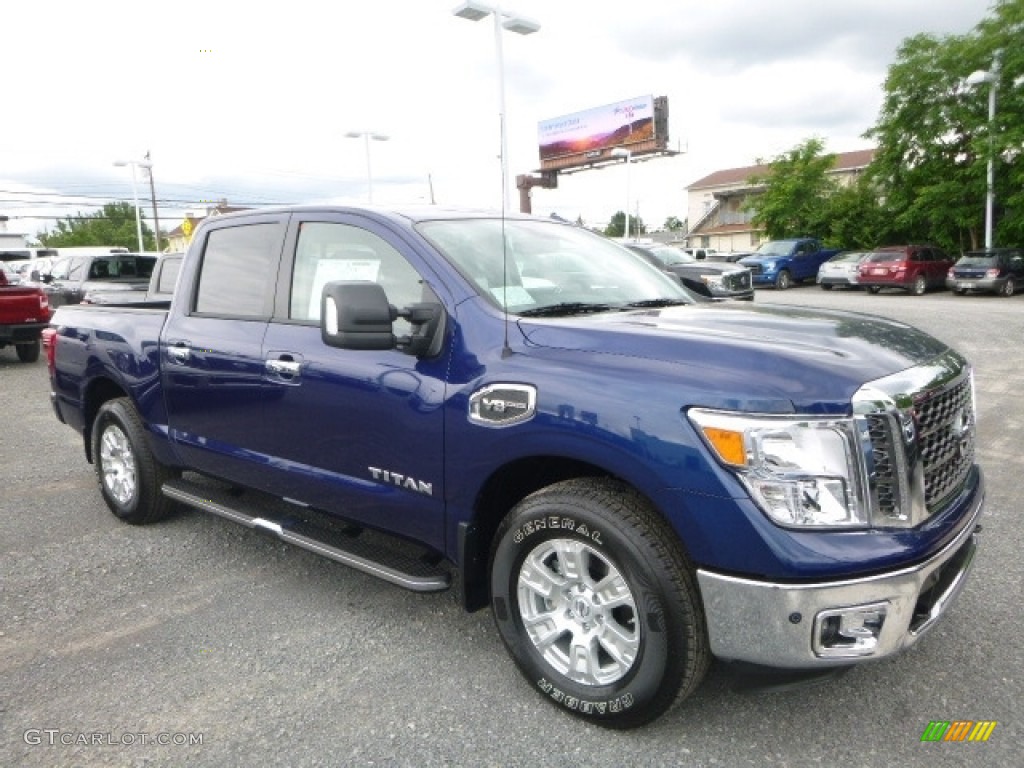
(212, 348)
(359, 432)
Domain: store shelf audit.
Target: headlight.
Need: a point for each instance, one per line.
(802, 472)
(712, 280)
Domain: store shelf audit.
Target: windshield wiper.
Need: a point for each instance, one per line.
(658, 303)
(565, 309)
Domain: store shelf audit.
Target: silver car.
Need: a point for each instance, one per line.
(841, 270)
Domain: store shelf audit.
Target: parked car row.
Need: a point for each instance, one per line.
(917, 269)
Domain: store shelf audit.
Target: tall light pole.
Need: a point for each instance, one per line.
(366, 136)
(135, 193)
(620, 152)
(474, 11)
(992, 78)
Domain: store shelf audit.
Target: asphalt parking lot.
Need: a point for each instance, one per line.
(114, 638)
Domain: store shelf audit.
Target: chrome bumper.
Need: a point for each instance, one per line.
(801, 626)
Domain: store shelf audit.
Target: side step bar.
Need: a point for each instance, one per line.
(283, 520)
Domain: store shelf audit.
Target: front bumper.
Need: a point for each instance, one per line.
(827, 624)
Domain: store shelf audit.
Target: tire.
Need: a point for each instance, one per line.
(28, 353)
(874, 288)
(960, 291)
(620, 666)
(783, 280)
(826, 286)
(1008, 289)
(920, 286)
(128, 474)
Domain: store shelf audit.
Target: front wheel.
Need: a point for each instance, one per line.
(783, 280)
(28, 353)
(1008, 288)
(874, 289)
(129, 475)
(919, 286)
(596, 604)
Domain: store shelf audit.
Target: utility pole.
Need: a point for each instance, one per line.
(152, 195)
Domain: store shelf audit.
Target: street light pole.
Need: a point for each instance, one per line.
(620, 152)
(367, 135)
(992, 78)
(135, 195)
(474, 11)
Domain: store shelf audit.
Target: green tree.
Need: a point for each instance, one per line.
(795, 190)
(617, 225)
(113, 225)
(856, 218)
(933, 136)
(674, 224)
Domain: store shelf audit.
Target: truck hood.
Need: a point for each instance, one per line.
(773, 359)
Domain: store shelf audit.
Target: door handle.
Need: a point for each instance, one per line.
(283, 367)
(179, 352)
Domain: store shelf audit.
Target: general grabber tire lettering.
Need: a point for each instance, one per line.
(597, 604)
(129, 476)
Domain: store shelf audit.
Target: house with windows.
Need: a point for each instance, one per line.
(716, 204)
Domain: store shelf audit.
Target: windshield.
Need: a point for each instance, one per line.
(775, 248)
(849, 256)
(978, 261)
(545, 267)
(890, 256)
(668, 256)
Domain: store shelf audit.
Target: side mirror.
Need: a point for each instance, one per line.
(428, 326)
(34, 275)
(47, 278)
(356, 315)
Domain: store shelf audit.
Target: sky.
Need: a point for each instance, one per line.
(250, 102)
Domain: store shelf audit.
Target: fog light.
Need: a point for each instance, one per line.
(852, 631)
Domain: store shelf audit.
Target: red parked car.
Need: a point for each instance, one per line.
(913, 268)
(24, 312)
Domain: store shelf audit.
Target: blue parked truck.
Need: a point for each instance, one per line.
(781, 263)
(531, 414)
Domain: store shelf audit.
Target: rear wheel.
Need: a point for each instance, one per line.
(596, 603)
(129, 475)
(826, 286)
(919, 286)
(28, 353)
(874, 288)
(784, 280)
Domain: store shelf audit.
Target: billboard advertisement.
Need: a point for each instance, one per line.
(582, 137)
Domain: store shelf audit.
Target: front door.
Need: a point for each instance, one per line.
(356, 432)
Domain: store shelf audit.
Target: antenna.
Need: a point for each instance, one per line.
(506, 350)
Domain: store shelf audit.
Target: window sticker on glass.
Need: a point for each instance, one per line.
(512, 295)
(328, 270)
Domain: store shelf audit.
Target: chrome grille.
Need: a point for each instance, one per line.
(945, 427)
(884, 476)
(737, 281)
(919, 433)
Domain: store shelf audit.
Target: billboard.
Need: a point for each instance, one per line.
(639, 125)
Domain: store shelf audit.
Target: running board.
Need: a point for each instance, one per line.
(288, 523)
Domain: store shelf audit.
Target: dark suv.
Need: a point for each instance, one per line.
(913, 268)
(997, 270)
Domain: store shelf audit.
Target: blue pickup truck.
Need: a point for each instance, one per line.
(534, 416)
(781, 263)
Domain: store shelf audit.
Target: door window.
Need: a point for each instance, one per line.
(328, 251)
(238, 269)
